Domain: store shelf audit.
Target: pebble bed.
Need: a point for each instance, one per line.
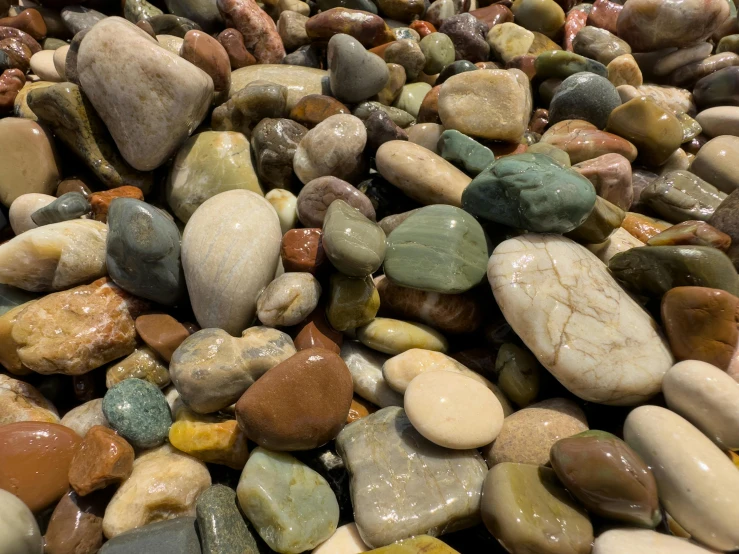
(387, 276)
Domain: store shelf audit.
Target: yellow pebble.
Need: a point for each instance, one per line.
(209, 440)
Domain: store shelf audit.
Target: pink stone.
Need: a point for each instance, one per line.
(583, 141)
(575, 21)
(611, 177)
(604, 14)
(260, 32)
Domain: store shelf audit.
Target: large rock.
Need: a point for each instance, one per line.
(559, 298)
(230, 250)
(136, 87)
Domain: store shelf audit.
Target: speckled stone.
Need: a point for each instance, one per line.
(138, 411)
(175, 536)
(222, 528)
(584, 96)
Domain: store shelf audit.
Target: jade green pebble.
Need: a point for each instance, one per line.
(438, 49)
(139, 411)
(532, 192)
(464, 152)
(561, 64)
(653, 270)
(439, 248)
(411, 96)
(602, 221)
(353, 244)
(222, 528)
(352, 302)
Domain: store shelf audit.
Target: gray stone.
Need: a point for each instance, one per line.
(585, 96)
(10, 297)
(222, 528)
(71, 205)
(203, 12)
(681, 196)
(175, 536)
(80, 18)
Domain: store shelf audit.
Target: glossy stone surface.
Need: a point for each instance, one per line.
(464, 152)
(420, 544)
(393, 336)
(317, 195)
(680, 196)
(354, 73)
(583, 141)
(274, 143)
(76, 525)
(222, 527)
(712, 162)
(365, 365)
(23, 402)
(352, 302)
(138, 411)
(103, 458)
(353, 244)
(643, 541)
(698, 233)
(19, 532)
(71, 205)
(444, 496)
(603, 220)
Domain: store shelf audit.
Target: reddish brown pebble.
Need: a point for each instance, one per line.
(380, 50)
(575, 21)
(205, 52)
(302, 250)
(162, 333)
(423, 28)
(73, 185)
(34, 461)
(369, 29)
(76, 526)
(314, 108)
(604, 14)
(525, 63)
(11, 82)
(697, 233)
(100, 201)
(539, 121)
(493, 15)
(17, 53)
(701, 324)
(429, 111)
(25, 38)
(29, 21)
(258, 29)
(360, 408)
(147, 28)
(103, 458)
(311, 337)
(299, 404)
(233, 42)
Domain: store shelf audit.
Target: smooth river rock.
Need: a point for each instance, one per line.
(580, 324)
(643, 541)
(300, 81)
(19, 532)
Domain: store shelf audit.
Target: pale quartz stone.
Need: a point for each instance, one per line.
(85, 416)
(453, 410)
(619, 241)
(42, 64)
(60, 61)
(400, 370)
(426, 135)
(439, 182)
(623, 70)
(55, 257)
(365, 366)
(20, 401)
(575, 318)
(393, 336)
(677, 100)
(404, 485)
(707, 397)
(171, 43)
(289, 299)
(643, 541)
(143, 363)
(230, 250)
(721, 120)
(164, 484)
(285, 204)
(19, 532)
(509, 40)
(698, 484)
(149, 98)
(22, 208)
(345, 540)
(300, 81)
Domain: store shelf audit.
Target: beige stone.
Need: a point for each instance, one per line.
(289, 299)
(345, 540)
(720, 120)
(623, 70)
(20, 401)
(716, 163)
(285, 204)
(85, 416)
(300, 81)
(426, 135)
(42, 64)
(143, 363)
(22, 208)
(619, 241)
(60, 61)
(508, 40)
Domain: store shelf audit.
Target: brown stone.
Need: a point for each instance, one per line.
(20, 401)
(574, 22)
(103, 458)
(77, 330)
(259, 31)
(314, 108)
(369, 29)
(450, 313)
(302, 250)
(584, 141)
(34, 461)
(429, 110)
(299, 404)
(100, 201)
(76, 526)
(642, 226)
(17, 53)
(25, 38)
(73, 184)
(29, 21)
(701, 324)
(205, 52)
(697, 233)
(310, 336)
(147, 28)
(539, 121)
(8, 347)
(233, 42)
(162, 333)
(604, 14)
(493, 14)
(360, 408)
(11, 82)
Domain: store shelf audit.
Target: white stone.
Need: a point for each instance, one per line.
(345, 540)
(643, 541)
(453, 410)
(285, 204)
(300, 81)
(698, 484)
(149, 98)
(42, 65)
(171, 43)
(720, 120)
(289, 299)
(22, 208)
(86, 416)
(575, 318)
(19, 532)
(60, 60)
(55, 257)
(230, 250)
(619, 241)
(365, 365)
(707, 397)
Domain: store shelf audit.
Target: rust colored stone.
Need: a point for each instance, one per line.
(380, 50)
(539, 121)
(422, 27)
(233, 42)
(525, 63)
(162, 333)
(76, 526)
(314, 108)
(360, 408)
(604, 14)
(574, 23)
(145, 26)
(302, 250)
(34, 461)
(11, 82)
(29, 21)
(73, 185)
(259, 31)
(493, 14)
(429, 111)
(25, 38)
(100, 201)
(103, 458)
(642, 226)
(311, 337)
(205, 52)
(369, 29)
(17, 53)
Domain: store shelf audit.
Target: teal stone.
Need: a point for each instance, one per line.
(291, 506)
(71, 205)
(353, 244)
(438, 49)
(222, 528)
(464, 152)
(174, 536)
(411, 96)
(532, 192)
(561, 64)
(438, 248)
(139, 411)
(653, 270)
(10, 297)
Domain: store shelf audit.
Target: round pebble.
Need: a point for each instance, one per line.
(138, 411)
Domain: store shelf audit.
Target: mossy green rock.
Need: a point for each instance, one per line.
(465, 152)
(439, 248)
(222, 528)
(602, 221)
(352, 302)
(139, 411)
(438, 49)
(653, 270)
(561, 64)
(530, 191)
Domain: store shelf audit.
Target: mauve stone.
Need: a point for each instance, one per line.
(233, 42)
(316, 196)
(468, 35)
(76, 525)
(208, 54)
(611, 177)
(259, 31)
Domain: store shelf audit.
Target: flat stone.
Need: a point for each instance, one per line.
(681, 196)
(140, 123)
(583, 141)
(222, 527)
(365, 365)
(138, 411)
(721, 120)
(71, 205)
(100, 201)
(445, 483)
(599, 44)
(698, 233)
(19, 532)
(643, 227)
(76, 525)
(300, 81)
(23, 402)
(291, 506)
(393, 336)
(162, 333)
(103, 458)
(643, 541)
(288, 300)
(616, 331)
(167, 537)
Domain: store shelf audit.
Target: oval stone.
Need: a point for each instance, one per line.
(643, 541)
(138, 410)
(300, 81)
(317, 195)
(393, 336)
(19, 532)
(560, 299)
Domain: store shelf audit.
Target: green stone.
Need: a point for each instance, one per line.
(50, 43)
(353, 244)
(602, 221)
(438, 49)
(71, 205)
(352, 302)
(400, 117)
(691, 128)
(410, 97)
(518, 374)
(532, 192)
(464, 152)
(439, 248)
(680, 196)
(139, 412)
(561, 64)
(222, 528)
(729, 43)
(653, 270)
(557, 154)
(291, 506)
(455, 68)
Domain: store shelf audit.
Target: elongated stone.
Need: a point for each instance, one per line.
(300, 81)
(365, 365)
(70, 205)
(643, 541)
(681, 196)
(222, 528)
